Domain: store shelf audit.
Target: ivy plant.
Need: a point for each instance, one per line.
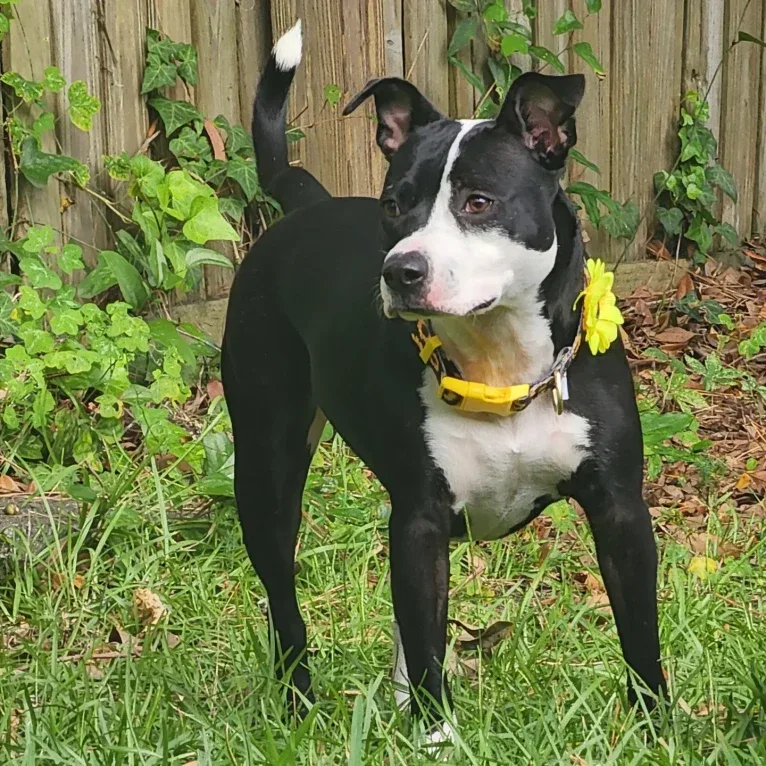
(688, 194)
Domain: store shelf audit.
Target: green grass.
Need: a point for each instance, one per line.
(200, 687)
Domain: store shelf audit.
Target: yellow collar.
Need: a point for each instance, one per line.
(599, 318)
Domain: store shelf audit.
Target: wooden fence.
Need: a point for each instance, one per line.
(652, 50)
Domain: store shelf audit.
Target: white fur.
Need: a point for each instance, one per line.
(401, 677)
(469, 268)
(288, 48)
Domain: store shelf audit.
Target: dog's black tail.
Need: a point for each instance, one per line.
(291, 187)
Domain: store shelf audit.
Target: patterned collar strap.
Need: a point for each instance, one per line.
(470, 396)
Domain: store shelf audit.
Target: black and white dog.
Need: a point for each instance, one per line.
(477, 256)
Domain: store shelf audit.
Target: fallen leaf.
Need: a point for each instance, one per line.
(685, 286)
(481, 638)
(150, 608)
(214, 389)
(78, 581)
(173, 640)
(7, 484)
(219, 152)
(702, 566)
(744, 481)
(674, 335)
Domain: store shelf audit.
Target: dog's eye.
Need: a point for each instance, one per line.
(390, 208)
(477, 203)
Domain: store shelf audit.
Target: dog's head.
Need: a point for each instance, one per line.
(467, 206)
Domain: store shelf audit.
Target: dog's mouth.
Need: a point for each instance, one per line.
(413, 313)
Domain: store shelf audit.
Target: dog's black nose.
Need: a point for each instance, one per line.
(405, 272)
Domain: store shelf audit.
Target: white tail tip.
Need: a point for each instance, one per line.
(287, 51)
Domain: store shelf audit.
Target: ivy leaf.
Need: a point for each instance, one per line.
(127, 276)
(118, 167)
(548, 56)
(66, 322)
(232, 206)
(593, 6)
(53, 80)
(158, 73)
(198, 256)
(238, 140)
(174, 114)
(514, 43)
(38, 237)
(147, 175)
(38, 166)
(29, 301)
(42, 405)
(332, 94)
(97, 281)
(37, 341)
(38, 274)
(189, 144)
(472, 78)
(70, 258)
(464, 33)
(82, 106)
(5, 25)
(496, 12)
(184, 191)
(464, 6)
(699, 231)
(585, 52)
(566, 23)
(581, 159)
(671, 219)
(622, 222)
(186, 56)
(45, 122)
(207, 223)
(28, 91)
(162, 47)
(729, 233)
(244, 173)
(720, 177)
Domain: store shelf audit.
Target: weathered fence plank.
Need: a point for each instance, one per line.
(644, 101)
(594, 117)
(759, 206)
(123, 44)
(28, 50)
(75, 32)
(253, 46)
(740, 124)
(217, 91)
(548, 13)
(425, 49)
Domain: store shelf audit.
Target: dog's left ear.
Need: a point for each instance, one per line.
(400, 107)
(540, 108)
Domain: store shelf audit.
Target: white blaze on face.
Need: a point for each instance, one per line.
(469, 268)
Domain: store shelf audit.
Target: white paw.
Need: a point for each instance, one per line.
(438, 741)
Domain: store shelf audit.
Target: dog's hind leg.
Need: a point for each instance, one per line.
(267, 385)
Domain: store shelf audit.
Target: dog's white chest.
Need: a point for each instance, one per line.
(498, 467)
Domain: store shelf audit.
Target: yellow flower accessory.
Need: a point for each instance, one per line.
(600, 314)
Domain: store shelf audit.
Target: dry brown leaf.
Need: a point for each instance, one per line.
(219, 151)
(150, 608)
(674, 335)
(7, 484)
(481, 638)
(192, 763)
(173, 640)
(593, 584)
(685, 286)
(744, 481)
(599, 602)
(214, 389)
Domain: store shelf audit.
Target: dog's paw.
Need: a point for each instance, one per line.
(437, 742)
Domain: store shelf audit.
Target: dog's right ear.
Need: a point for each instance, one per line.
(401, 108)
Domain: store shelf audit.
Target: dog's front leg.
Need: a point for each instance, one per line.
(419, 583)
(627, 558)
